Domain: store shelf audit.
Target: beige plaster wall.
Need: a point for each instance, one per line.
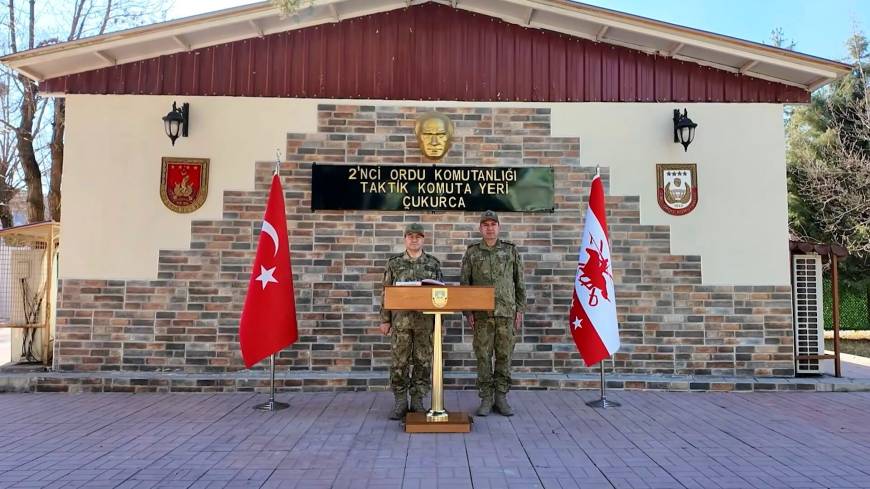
(114, 222)
(740, 226)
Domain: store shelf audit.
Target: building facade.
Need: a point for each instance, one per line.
(571, 88)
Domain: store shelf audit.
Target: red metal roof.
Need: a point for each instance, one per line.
(427, 52)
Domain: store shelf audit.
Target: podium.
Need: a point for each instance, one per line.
(438, 300)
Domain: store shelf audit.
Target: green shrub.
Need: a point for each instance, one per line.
(853, 308)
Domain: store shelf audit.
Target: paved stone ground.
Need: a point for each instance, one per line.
(343, 440)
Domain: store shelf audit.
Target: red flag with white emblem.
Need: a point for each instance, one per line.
(593, 305)
(268, 322)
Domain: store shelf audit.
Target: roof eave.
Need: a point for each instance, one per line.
(796, 69)
(210, 18)
(701, 35)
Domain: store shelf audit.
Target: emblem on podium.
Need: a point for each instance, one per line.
(439, 297)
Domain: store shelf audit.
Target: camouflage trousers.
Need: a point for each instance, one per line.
(493, 336)
(412, 347)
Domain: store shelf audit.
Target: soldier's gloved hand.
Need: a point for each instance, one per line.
(385, 328)
(518, 322)
(470, 319)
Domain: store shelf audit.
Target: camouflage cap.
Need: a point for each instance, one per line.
(489, 216)
(414, 228)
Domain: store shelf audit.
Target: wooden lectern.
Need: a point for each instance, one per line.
(438, 300)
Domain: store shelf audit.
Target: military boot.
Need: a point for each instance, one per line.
(502, 406)
(417, 404)
(485, 406)
(400, 407)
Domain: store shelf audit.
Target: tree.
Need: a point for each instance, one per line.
(24, 132)
(828, 158)
(290, 7)
(778, 39)
(8, 150)
(29, 148)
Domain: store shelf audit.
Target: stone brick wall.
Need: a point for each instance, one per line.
(187, 320)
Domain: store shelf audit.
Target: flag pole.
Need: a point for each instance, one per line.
(272, 404)
(603, 402)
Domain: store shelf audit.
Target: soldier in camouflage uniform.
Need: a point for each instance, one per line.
(410, 331)
(495, 262)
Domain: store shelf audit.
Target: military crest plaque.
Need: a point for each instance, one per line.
(184, 183)
(677, 188)
(439, 297)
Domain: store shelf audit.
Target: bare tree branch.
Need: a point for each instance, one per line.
(84, 20)
(31, 153)
(106, 18)
(837, 184)
(12, 34)
(74, 24)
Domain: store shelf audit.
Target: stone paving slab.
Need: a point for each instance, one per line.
(344, 440)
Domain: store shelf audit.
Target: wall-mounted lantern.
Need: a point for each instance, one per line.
(177, 120)
(684, 129)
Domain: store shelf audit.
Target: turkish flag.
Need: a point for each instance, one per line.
(268, 321)
(593, 305)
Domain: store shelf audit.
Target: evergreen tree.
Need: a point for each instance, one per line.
(828, 157)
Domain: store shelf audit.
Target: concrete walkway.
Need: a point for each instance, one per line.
(853, 366)
(343, 440)
(5, 345)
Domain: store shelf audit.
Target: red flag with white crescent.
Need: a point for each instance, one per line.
(593, 305)
(268, 322)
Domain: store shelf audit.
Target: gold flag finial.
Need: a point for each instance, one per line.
(277, 160)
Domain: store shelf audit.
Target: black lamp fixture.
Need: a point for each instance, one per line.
(177, 120)
(684, 129)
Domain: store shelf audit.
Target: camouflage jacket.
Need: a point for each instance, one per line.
(401, 268)
(500, 266)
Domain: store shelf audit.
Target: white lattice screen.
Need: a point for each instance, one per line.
(28, 288)
(808, 319)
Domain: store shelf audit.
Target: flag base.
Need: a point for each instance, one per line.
(602, 403)
(433, 416)
(271, 406)
(456, 422)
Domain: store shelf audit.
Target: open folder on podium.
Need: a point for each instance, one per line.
(438, 301)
